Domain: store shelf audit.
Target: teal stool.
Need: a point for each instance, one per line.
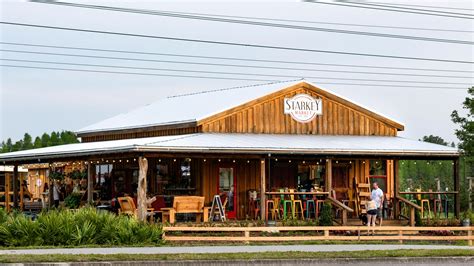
(285, 211)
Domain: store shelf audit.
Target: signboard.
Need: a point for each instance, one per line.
(303, 108)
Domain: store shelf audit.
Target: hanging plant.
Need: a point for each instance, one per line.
(76, 174)
(56, 175)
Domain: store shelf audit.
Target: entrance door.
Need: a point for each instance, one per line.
(226, 189)
(340, 180)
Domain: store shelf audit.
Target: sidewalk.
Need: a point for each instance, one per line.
(224, 249)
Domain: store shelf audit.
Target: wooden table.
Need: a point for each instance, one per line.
(317, 193)
(427, 192)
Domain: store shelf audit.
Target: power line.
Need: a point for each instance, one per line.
(208, 77)
(231, 65)
(464, 16)
(233, 43)
(257, 23)
(226, 73)
(433, 7)
(403, 8)
(228, 58)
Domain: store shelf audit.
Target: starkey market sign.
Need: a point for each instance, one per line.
(303, 108)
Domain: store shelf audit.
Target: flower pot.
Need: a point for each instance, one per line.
(466, 222)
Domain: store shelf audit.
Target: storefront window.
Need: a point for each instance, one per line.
(102, 180)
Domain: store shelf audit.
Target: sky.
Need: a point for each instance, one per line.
(37, 101)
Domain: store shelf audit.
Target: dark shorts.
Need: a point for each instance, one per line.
(372, 212)
(379, 213)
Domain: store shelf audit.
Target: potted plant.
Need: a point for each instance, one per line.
(56, 175)
(466, 218)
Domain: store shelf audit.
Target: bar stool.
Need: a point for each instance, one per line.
(427, 203)
(285, 205)
(311, 204)
(276, 209)
(295, 203)
(268, 203)
(437, 206)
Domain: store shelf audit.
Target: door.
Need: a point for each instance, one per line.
(340, 180)
(226, 190)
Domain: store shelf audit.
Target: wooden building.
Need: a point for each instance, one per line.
(232, 141)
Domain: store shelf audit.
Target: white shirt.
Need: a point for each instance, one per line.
(377, 196)
(55, 192)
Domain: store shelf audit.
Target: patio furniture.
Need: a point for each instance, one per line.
(425, 202)
(275, 210)
(186, 204)
(128, 207)
(295, 203)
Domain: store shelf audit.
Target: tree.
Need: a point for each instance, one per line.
(27, 142)
(45, 140)
(435, 140)
(37, 144)
(465, 134)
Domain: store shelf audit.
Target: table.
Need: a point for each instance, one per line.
(317, 193)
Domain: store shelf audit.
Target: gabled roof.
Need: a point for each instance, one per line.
(225, 143)
(194, 107)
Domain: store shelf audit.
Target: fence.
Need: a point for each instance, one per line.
(356, 233)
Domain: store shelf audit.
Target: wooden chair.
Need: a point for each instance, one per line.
(128, 207)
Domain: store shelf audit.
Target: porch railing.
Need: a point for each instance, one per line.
(341, 206)
(319, 233)
(412, 207)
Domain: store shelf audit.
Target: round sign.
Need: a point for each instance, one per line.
(302, 107)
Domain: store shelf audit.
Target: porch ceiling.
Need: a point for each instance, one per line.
(244, 144)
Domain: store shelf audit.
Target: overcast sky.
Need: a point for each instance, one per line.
(38, 101)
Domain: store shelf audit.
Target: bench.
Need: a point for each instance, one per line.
(186, 204)
(33, 206)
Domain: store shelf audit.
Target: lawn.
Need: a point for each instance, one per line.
(235, 256)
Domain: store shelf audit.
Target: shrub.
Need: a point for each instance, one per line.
(325, 218)
(84, 227)
(73, 201)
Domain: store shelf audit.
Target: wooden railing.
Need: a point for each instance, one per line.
(323, 233)
(412, 207)
(341, 206)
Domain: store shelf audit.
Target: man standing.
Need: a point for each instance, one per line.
(377, 196)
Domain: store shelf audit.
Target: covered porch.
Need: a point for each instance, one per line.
(254, 175)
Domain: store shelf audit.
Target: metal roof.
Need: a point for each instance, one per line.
(188, 108)
(245, 144)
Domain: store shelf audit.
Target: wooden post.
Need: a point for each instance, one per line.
(412, 216)
(262, 189)
(457, 198)
(50, 188)
(15, 186)
(328, 175)
(90, 183)
(142, 188)
(7, 191)
(469, 234)
(396, 189)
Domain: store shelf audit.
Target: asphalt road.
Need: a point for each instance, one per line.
(224, 249)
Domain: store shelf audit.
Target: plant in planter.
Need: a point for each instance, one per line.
(466, 218)
(73, 201)
(77, 176)
(56, 175)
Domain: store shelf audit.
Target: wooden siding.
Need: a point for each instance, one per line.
(247, 177)
(266, 115)
(143, 134)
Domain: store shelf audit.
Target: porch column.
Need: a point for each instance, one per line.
(142, 187)
(329, 176)
(262, 189)
(50, 187)
(15, 186)
(457, 196)
(396, 188)
(90, 183)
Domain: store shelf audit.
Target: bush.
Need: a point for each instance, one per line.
(73, 201)
(84, 227)
(325, 218)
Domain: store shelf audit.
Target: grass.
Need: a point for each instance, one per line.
(237, 256)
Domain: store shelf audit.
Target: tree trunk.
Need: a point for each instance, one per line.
(142, 187)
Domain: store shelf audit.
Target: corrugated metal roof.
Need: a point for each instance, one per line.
(193, 107)
(246, 143)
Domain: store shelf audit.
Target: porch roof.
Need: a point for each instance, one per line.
(244, 144)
